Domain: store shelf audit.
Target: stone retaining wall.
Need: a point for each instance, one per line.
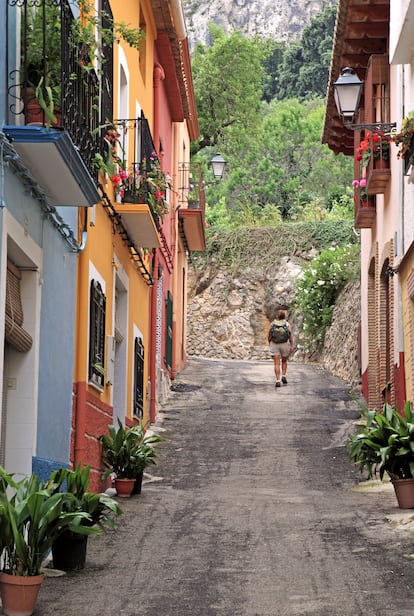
(229, 317)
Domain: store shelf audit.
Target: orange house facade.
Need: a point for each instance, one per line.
(133, 262)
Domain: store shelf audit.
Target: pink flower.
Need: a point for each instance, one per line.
(355, 183)
(362, 182)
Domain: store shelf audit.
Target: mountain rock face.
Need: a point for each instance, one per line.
(282, 20)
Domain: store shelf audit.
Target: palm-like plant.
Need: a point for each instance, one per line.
(31, 519)
(384, 443)
(100, 508)
(127, 451)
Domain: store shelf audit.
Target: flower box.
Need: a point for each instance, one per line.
(365, 213)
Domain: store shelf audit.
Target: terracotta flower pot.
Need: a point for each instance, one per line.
(124, 487)
(19, 593)
(404, 491)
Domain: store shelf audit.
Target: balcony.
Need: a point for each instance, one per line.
(191, 213)
(57, 97)
(141, 185)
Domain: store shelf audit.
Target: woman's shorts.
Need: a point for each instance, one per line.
(279, 348)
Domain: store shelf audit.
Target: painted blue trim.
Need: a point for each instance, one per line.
(43, 468)
(65, 148)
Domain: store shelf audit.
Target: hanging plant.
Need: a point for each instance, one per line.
(405, 136)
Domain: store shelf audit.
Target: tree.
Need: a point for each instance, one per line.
(228, 82)
(285, 165)
(304, 70)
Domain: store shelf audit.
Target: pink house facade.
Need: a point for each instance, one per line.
(376, 40)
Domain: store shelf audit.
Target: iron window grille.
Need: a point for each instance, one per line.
(169, 331)
(97, 335)
(138, 378)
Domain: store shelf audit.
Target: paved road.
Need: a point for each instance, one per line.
(250, 512)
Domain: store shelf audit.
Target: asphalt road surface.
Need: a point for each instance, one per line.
(250, 511)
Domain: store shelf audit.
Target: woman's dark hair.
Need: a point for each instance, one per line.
(281, 314)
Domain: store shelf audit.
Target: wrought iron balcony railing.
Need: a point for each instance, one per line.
(191, 186)
(51, 72)
(139, 177)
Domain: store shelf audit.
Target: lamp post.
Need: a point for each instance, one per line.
(347, 92)
(218, 165)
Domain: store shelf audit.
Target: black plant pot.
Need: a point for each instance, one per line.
(69, 551)
(138, 483)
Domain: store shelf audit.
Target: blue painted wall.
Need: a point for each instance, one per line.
(58, 301)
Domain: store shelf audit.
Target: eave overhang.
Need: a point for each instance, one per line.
(178, 57)
(361, 30)
(192, 222)
(55, 163)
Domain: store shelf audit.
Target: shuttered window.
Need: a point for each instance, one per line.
(14, 333)
(97, 334)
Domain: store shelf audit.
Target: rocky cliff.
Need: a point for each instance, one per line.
(281, 19)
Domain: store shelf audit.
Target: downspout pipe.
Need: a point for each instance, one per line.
(153, 340)
(159, 76)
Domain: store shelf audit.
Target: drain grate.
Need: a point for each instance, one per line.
(184, 387)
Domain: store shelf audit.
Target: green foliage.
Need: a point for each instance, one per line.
(100, 508)
(32, 516)
(127, 451)
(318, 289)
(285, 167)
(263, 248)
(303, 72)
(384, 442)
(228, 81)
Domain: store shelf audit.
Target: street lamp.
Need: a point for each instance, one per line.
(347, 93)
(218, 165)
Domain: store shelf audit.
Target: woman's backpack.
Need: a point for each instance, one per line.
(279, 331)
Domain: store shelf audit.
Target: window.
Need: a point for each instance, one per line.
(138, 378)
(97, 334)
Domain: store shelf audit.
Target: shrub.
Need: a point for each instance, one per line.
(318, 288)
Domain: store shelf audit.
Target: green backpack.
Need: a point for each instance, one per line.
(279, 331)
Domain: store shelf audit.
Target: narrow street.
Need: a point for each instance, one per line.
(249, 512)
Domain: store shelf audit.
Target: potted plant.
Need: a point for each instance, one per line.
(384, 444)
(41, 51)
(375, 145)
(41, 58)
(125, 453)
(405, 140)
(147, 453)
(361, 185)
(69, 549)
(31, 519)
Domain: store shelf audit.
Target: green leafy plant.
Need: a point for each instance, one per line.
(32, 516)
(384, 442)
(100, 508)
(127, 451)
(91, 32)
(317, 290)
